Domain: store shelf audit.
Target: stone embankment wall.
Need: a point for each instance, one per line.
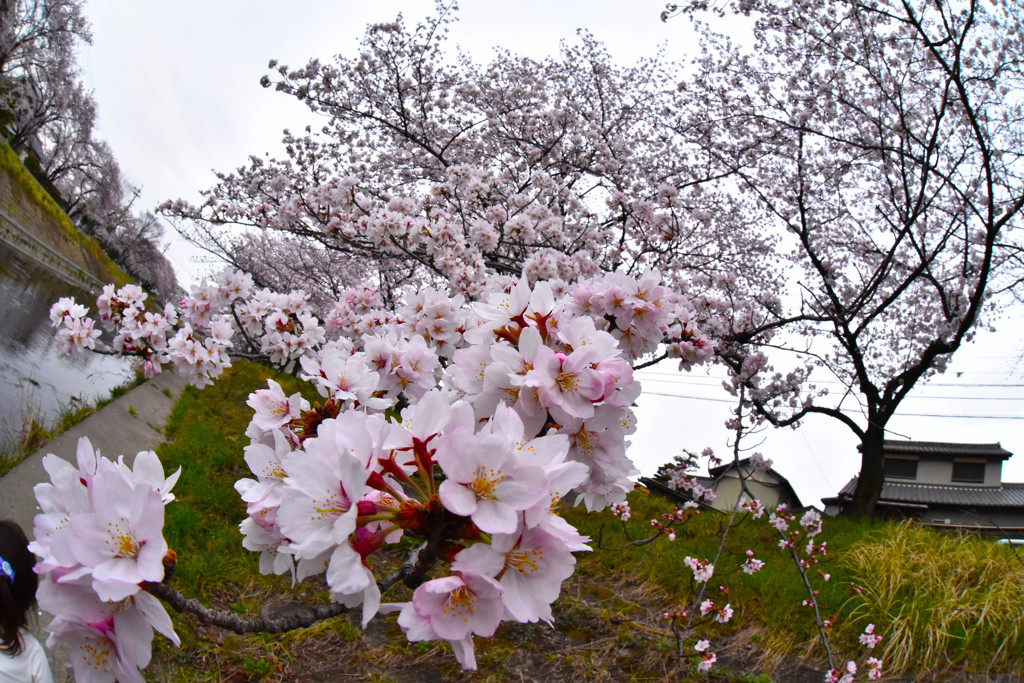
(35, 227)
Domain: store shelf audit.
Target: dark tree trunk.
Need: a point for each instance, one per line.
(872, 475)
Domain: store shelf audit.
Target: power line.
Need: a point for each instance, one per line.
(716, 381)
(852, 412)
(909, 398)
(814, 458)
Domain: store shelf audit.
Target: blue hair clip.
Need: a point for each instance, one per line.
(6, 569)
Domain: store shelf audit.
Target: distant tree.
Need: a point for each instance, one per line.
(83, 169)
(50, 117)
(37, 62)
(135, 245)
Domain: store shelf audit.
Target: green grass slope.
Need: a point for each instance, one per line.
(946, 607)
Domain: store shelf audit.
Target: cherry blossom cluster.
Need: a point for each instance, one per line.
(681, 480)
(721, 614)
(752, 565)
(781, 519)
(707, 658)
(197, 336)
(641, 313)
(77, 332)
(558, 370)
(408, 344)
(356, 312)
(869, 639)
(208, 299)
(872, 665)
(158, 337)
(622, 511)
(849, 673)
(99, 538)
(755, 507)
(760, 462)
(284, 323)
(326, 503)
(536, 407)
(845, 676)
(703, 570)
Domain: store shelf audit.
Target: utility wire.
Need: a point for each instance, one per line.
(851, 412)
(909, 398)
(716, 381)
(713, 381)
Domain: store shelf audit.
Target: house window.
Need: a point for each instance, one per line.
(900, 468)
(969, 471)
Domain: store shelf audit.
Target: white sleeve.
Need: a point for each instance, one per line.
(38, 665)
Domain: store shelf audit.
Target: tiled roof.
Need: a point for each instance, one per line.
(1006, 495)
(946, 449)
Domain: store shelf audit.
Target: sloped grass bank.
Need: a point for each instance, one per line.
(59, 233)
(769, 605)
(948, 607)
(608, 623)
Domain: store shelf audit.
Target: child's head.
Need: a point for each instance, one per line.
(18, 583)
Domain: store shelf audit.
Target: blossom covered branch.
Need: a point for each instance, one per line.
(461, 425)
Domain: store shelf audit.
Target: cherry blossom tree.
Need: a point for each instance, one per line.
(37, 61)
(846, 190)
(453, 171)
(881, 143)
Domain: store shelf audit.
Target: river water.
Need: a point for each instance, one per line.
(35, 379)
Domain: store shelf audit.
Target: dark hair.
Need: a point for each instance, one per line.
(16, 597)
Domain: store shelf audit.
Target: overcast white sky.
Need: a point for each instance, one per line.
(177, 87)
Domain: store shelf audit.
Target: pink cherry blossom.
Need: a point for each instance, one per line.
(121, 540)
(703, 570)
(272, 408)
(488, 480)
(454, 608)
(868, 639)
(325, 481)
(530, 566)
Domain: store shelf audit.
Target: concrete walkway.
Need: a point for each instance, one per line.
(131, 423)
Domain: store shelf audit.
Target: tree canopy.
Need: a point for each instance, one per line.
(846, 190)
